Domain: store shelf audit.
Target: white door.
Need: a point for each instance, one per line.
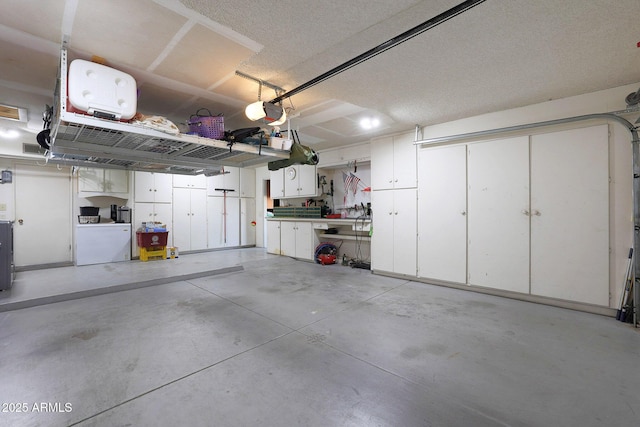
(163, 213)
(42, 229)
(382, 239)
(276, 184)
(404, 161)
(291, 181)
(182, 218)
(273, 237)
(215, 221)
(382, 164)
(404, 231)
(247, 182)
(288, 238)
(442, 210)
(247, 221)
(198, 200)
(233, 221)
(304, 240)
(570, 215)
(307, 180)
(143, 186)
(223, 221)
(163, 186)
(498, 214)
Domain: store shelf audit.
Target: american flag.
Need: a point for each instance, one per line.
(350, 182)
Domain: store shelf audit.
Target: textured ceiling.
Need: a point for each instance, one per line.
(184, 54)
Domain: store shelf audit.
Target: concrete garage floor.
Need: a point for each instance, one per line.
(280, 342)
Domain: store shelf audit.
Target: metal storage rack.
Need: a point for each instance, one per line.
(83, 140)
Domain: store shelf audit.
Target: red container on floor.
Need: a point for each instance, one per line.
(152, 238)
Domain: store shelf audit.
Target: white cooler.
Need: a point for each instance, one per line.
(101, 91)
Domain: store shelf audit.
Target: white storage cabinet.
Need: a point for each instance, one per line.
(393, 243)
(393, 163)
(297, 239)
(442, 213)
(190, 218)
(103, 181)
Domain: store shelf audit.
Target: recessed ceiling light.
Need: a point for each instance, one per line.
(9, 133)
(368, 123)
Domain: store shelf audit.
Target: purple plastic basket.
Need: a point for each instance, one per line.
(207, 126)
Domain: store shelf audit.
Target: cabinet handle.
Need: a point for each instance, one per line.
(396, 180)
(526, 212)
(390, 213)
(537, 213)
(463, 213)
(396, 213)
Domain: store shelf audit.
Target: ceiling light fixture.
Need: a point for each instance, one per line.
(9, 133)
(368, 123)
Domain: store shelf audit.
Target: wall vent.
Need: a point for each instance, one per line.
(32, 149)
(13, 113)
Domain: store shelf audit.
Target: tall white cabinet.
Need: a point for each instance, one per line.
(190, 216)
(153, 194)
(394, 204)
(534, 212)
(570, 215)
(393, 243)
(499, 214)
(442, 213)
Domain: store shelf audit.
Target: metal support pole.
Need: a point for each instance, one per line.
(636, 223)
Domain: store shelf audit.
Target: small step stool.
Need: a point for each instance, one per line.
(156, 251)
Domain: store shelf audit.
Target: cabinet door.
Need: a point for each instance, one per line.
(307, 180)
(142, 212)
(247, 182)
(404, 231)
(273, 237)
(233, 221)
(304, 240)
(382, 164)
(152, 187)
(224, 221)
(276, 184)
(570, 215)
(116, 181)
(247, 217)
(163, 214)
(90, 180)
(183, 181)
(288, 238)
(163, 187)
(182, 218)
(291, 181)
(382, 239)
(215, 221)
(198, 226)
(442, 209)
(229, 180)
(143, 186)
(404, 162)
(498, 214)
